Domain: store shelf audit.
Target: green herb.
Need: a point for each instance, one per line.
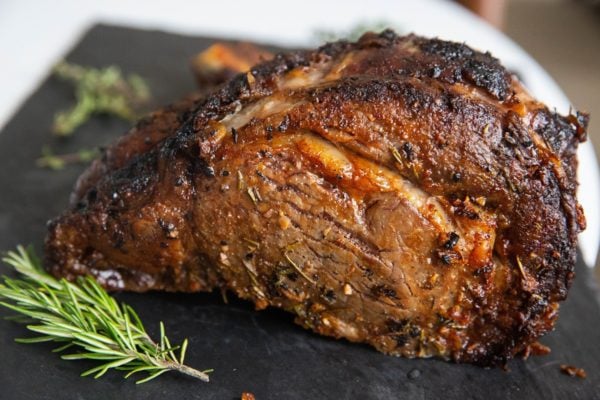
(59, 161)
(254, 194)
(297, 268)
(83, 317)
(99, 91)
(354, 33)
(241, 182)
(397, 156)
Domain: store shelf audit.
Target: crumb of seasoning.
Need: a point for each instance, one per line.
(571, 370)
(284, 221)
(535, 349)
(247, 396)
(347, 289)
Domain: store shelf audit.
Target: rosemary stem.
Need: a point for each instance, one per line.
(184, 369)
(83, 317)
(172, 365)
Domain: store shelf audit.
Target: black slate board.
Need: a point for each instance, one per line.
(260, 352)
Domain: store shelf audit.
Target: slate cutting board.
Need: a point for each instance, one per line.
(259, 352)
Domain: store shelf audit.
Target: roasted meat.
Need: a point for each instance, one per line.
(399, 191)
(222, 61)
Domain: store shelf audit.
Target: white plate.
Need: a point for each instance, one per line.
(46, 30)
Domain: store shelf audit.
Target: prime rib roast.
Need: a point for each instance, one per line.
(399, 191)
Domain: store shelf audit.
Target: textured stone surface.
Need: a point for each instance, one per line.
(259, 352)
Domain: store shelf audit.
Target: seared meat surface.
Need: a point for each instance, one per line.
(399, 191)
(221, 61)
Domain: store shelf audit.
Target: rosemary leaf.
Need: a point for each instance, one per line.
(82, 315)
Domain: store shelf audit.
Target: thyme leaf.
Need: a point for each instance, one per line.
(354, 32)
(99, 91)
(59, 161)
(82, 317)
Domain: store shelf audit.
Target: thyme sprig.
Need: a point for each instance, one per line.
(57, 162)
(354, 32)
(83, 317)
(99, 91)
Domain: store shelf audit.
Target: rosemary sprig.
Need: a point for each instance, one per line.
(58, 161)
(83, 317)
(99, 91)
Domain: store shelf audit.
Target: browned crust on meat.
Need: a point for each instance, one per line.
(222, 61)
(338, 204)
